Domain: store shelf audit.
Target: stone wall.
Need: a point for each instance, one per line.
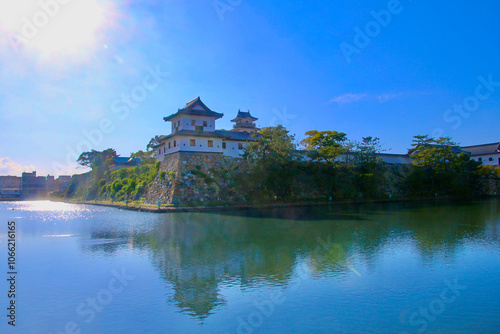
(194, 177)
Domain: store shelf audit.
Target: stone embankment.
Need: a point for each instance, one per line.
(193, 177)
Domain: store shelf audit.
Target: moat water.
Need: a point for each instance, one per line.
(430, 267)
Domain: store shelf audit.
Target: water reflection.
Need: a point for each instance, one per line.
(197, 253)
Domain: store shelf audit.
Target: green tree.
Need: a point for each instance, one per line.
(153, 142)
(273, 143)
(148, 157)
(273, 159)
(368, 168)
(95, 158)
(441, 168)
(325, 145)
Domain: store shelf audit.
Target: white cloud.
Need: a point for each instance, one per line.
(9, 167)
(348, 98)
(381, 98)
(388, 97)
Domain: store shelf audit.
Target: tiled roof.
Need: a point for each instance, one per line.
(243, 115)
(188, 110)
(237, 135)
(124, 160)
(228, 135)
(454, 149)
(483, 149)
(213, 134)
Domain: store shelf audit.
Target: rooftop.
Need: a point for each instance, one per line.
(483, 149)
(244, 115)
(124, 160)
(224, 134)
(190, 109)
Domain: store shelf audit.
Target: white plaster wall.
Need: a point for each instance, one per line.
(232, 149)
(486, 159)
(184, 144)
(185, 123)
(201, 144)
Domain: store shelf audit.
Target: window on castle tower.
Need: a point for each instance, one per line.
(210, 143)
(223, 145)
(192, 142)
(240, 146)
(175, 143)
(205, 123)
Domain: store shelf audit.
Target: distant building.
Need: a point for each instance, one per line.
(62, 187)
(53, 184)
(10, 193)
(50, 184)
(395, 159)
(33, 186)
(193, 130)
(389, 158)
(487, 154)
(124, 162)
(10, 187)
(10, 182)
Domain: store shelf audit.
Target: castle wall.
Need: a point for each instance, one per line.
(192, 177)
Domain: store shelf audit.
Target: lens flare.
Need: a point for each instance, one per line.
(55, 27)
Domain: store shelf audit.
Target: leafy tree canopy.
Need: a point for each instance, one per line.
(273, 144)
(95, 158)
(326, 145)
(153, 142)
(148, 157)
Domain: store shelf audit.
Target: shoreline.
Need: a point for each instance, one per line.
(215, 208)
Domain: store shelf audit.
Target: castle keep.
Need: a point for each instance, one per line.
(194, 150)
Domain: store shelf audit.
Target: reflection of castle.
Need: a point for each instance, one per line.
(200, 254)
(196, 257)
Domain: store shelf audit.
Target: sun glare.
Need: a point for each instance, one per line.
(55, 27)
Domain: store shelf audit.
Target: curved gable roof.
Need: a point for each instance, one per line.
(244, 115)
(189, 109)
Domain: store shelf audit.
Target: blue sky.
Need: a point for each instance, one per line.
(426, 68)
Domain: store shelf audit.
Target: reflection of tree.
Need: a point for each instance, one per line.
(200, 253)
